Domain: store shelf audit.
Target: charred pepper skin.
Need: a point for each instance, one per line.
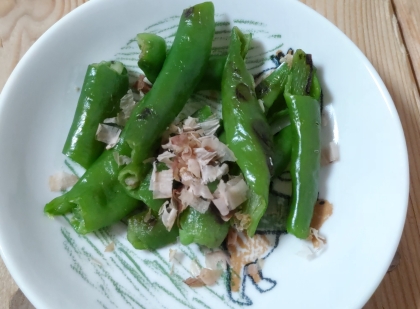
(247, 131)
(152, 56)
(305, 117)
(181, 73)
(273, 86)
(104, 85)
(99, 199)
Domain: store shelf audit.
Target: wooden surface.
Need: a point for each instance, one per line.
(387, 32)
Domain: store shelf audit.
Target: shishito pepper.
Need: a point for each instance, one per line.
(147, 232)
(213, 75)
(152, 56)
(104, 85)
(282, 150)
(206, 229)
(181, 72)
(98, 199)
(305, 117)
(247, 131)
(273, 86)
(144, 194)
(203, 113)
(316, 89)
(275, 217)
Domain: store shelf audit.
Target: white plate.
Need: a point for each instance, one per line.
(56, 268)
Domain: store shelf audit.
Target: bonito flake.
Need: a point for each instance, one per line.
(168, 213)
(127, 104)
(196, 158)
(110, 135)
(62, 181)
(210, 126)
(230, 195)
(210, 173)
(161, 183)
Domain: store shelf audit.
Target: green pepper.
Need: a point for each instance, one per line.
(247, 131)
(181, 72)
(203, 113)
(152, 56)
(210, 81)
(305, 120)
(144, 194)
(206, 229)
(279, 120)
(104, 85)
(275, 217)
(316, 90)
(282, 150)
(152, 64)
(204, 224)
(98, 199)
(273, 86)
(213, 75)
(147, 232)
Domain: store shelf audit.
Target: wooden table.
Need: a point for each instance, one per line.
(387, 32)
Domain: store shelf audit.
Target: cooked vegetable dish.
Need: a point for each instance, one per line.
(194, 177)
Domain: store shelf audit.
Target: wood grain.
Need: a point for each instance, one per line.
(7, 287)
(22, 23)
(383, 29)
(408, 14)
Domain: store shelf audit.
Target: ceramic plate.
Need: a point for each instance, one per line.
(368, 186)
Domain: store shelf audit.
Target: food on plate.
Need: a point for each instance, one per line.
(271, 88)
(152, 56)
(199, 176)
(247, 130)
(104, 85)
(305, 118)
(102, 196)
